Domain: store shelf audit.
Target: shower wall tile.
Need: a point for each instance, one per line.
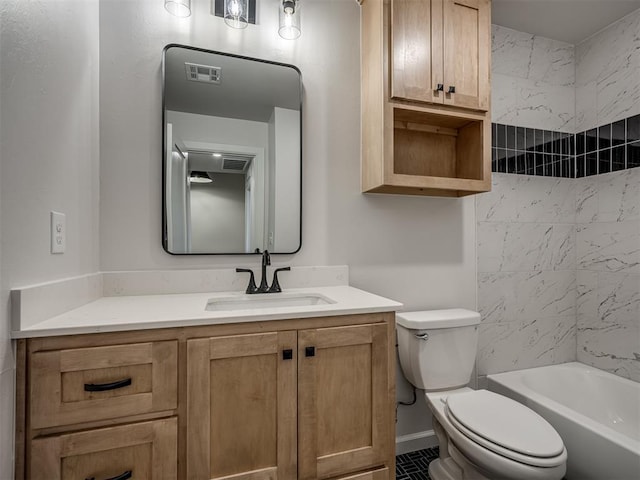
(507, 296)
(526, 344)
(532, 81)
(586, 292)
(609, 326)
(608, 198)
(545, 199)
(532, 57)
(531, 103)
(511, 51)
(608, 276)
(525, 247)
(607, 71)
(525, 198)
(609, 350)
(526, 282)
(609, 246)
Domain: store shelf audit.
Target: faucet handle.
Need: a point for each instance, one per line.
(275, 285)
(251, 288)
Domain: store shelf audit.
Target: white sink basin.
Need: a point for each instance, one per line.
(266, 300)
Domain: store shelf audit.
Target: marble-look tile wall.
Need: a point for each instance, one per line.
(533, 80)
(526, 273)
(607, 74)
(608, 272)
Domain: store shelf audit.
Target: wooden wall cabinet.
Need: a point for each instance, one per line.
(281, 400)
(440, 51)
(426, 126)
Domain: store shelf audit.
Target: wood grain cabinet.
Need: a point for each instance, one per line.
(426, 126)
(279, 400)
(141, 451)
(308, 404)
(440, 52)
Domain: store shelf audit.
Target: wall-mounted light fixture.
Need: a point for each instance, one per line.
(289, 20)
(240, 13)
(179, 8)
(199, 177)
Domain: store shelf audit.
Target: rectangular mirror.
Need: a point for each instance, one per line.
(232, 153)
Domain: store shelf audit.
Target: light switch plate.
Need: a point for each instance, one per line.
(58, 232)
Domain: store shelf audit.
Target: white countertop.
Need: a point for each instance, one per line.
(140, 312)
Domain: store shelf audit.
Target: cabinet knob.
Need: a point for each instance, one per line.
(440, 88)
(452, 89)
(287, 354)
(310, 351)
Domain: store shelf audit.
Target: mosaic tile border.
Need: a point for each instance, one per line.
(530, 151)
(415, 465)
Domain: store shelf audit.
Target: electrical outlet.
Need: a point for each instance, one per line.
(58, 232)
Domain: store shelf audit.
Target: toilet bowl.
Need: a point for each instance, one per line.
(482, 435)
(494, 437)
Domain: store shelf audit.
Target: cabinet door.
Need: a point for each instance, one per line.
(467, 53)
(416, 50)
(142, 451)
(343, 400)
(241, 407)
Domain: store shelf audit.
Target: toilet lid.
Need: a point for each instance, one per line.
(504, 422)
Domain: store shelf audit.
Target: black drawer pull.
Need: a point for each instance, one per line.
(452, 89)
(310, 351)
(103, 387)
(287, 354)
(123, 476)
(440, 88)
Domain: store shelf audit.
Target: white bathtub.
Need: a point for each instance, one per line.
(597, 414)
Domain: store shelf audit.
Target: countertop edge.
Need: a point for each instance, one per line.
(196, 322)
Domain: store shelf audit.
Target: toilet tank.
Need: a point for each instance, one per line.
(437, 348)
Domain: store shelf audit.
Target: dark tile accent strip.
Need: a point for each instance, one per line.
(531, 151)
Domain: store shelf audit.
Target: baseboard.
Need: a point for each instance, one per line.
(416, 441)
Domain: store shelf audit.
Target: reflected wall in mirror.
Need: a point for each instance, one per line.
(232, 153)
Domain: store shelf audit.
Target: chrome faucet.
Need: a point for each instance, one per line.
(264, 285)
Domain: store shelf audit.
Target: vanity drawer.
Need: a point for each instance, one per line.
(98, 383)
(141, 451)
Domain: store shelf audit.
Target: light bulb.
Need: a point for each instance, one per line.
(179, 8)
(235, 13)
(289, 20)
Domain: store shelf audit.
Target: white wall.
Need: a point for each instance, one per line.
(49, 151)
(284, 175)
(217, 214)
(191, 127)
(420, 251)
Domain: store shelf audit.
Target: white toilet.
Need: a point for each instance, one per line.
(482, 435)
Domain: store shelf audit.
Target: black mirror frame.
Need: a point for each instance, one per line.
(164, 147)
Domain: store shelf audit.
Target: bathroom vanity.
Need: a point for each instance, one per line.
(159, 387)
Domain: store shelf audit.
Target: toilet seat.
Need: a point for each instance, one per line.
(497, 423)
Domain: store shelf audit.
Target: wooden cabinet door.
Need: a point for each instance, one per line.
(141, 451)
(416, 50)
(467, 53)
(343, 400)
(241, 407)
